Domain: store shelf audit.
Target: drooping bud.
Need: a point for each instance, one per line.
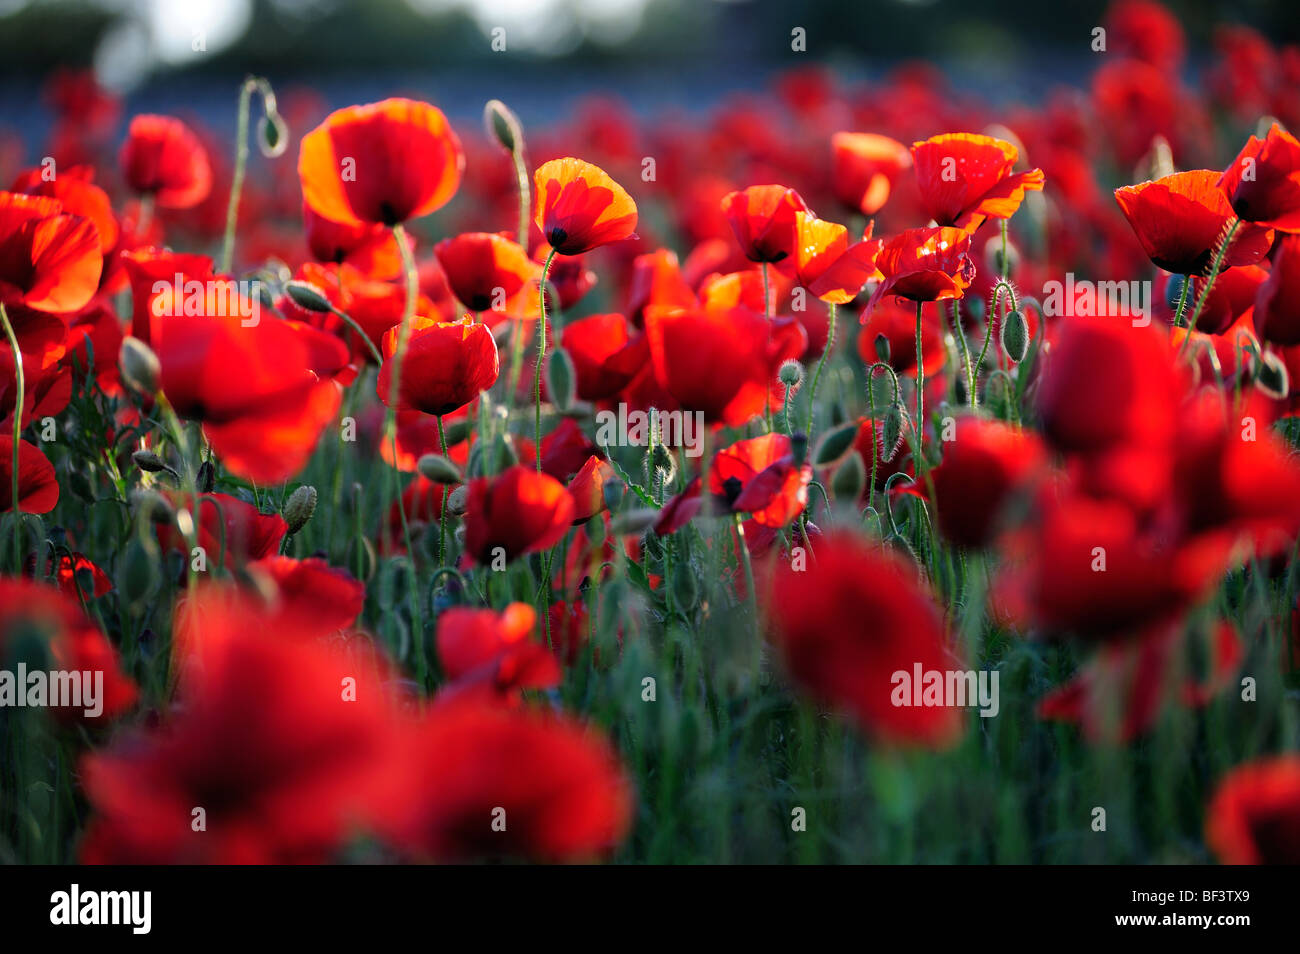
(273, 138)
(834, 444)
(150, 462)
(456, 500)
(882, 347)
(1273, 379)
(438, 469)
(308, 296)
(139, 366)
(503, 126)
(1015, 336)
(300, 506)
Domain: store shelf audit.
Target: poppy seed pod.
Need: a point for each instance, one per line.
(139, 366)
(308, 296)
(439, 469)
(300, 506)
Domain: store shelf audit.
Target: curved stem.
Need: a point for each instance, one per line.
(957, 328)
(541, 358)
(821, 362)
(251, 85)
(1209, 283)
(19, 397)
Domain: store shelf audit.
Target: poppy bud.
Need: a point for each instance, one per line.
(503, 126)
(1273, 378)
(1015, 336)
(150, 462)
(850, 479)
(456, 501)
(633, 522)
(891, 432)
(561, 380)
(274, 134)
(882, 347)
(834, 444)
(139, 366)
(299, 507)
(456, 431)
(791, 374)
(661, 459)
(308, 296)
(438, 469)
(207, 479)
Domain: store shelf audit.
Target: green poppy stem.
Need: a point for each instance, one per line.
(19, 397)
(541, 358)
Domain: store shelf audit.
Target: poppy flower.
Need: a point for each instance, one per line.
(230, 531)
(517, 512)
(826, 264)
(579, 207)
(851, 620)
(1231, 297)
(1181, 218)
(485, 268)
(588, 488)
(312, 587)
(864, 169)
(763, 218)
(50, 260)
(38, 488)
(1277, 303)
(481, 647)
(1263, 182)
(1147, 31)
(383, 163)
(1254, 816)
(75, 645)
(78, 195)
(721, 362)
(153, 273)
(286, 745)
(758, 476)
(76, 575)
(370, 248)
(985, 464)
(924, 265)
(605, 355)
(164, 159)
(966, 178)
(657, 279)
(447, 365)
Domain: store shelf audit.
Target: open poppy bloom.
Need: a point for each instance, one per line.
(763, 218)
(1277, 303)
(50, 260)
(447, 365)
(759, 477)
(557, 784)
(153, 275)
(1263, 182)
(1254, 816)
(864, 168)
(1181, 218)
(230, 531)
(604, 353)
(825, 263)
(383, 163)
(579, 207)
(485, 269)
(370, 248)
(924, 265)
(38, 488)
(163, 159)
(495, 651)
(519, 511)
(966, 178)
(851, 621)
(78, 194)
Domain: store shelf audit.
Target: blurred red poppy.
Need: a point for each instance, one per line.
(588, 488)
(50, 260)
(496, 651)
(370, 248)
(965, 178)
(383, 163)
(312, 588)
(759, 476)
(1263, 182)
(763, 218)
(485, 269)
(605, 355)
(516, 512)
(864, 168)
(1254, 815)
(447, 365)
(38, 488)
(579, 207)
(78, 195)
(230, 531)
(163, 159)
(1277, 303)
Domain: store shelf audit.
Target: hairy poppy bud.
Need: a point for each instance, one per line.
(1015, 336)
(299, 508)
(891, 431)
(456, 501)
(150, 462)
(882, 347)
(139, 366)
(274, 134)
(306, 295)
(791, 374)
(850, 479)
(503, 126)
(439, 469)
(834, 444)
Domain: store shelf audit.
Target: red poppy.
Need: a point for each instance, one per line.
(825, 263)
(78, 195)
(579, 207)
(657, 280)
(864, 169)
(163, 158)
(227, 526)
(284, 743)
(1181, 218)
(588, 488)
(50, 260)
(965, 178)
(370, 248)
(155, 273)
(447, 365)
(1263, 182)
(76, 575)
(38, 488)
(985, 465)
(605, 356)
(485, 268)
(849, 622)
(312, 588)
(1231, 297)
(759, 476)
(720, 362)
(497, 651)
(1277, 303)
(763, 218)
(383, 163)
(1254, 816)
(517, 512)
(1147, 31)
(554, 788)
(75, 645)
(924, 265)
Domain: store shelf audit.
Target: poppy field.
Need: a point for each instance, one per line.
(380, 486)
